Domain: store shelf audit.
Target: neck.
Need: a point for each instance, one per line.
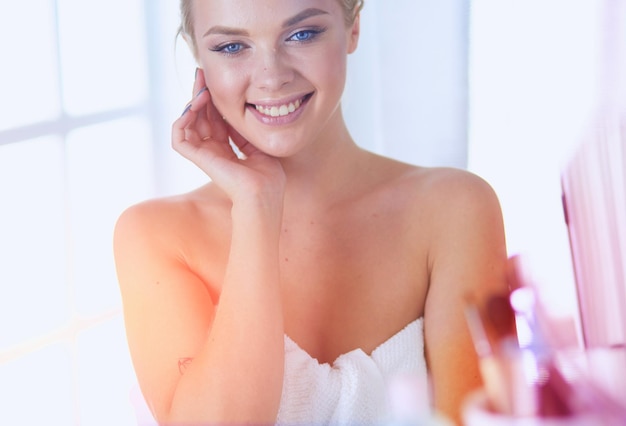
(325, 173)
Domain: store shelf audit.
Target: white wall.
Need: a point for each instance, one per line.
(536, 69)
(407, 86)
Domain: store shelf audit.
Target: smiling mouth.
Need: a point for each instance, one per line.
(281, 110)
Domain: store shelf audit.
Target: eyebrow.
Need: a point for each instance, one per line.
(305, 14)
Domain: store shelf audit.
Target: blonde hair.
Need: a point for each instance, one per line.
(351, 9)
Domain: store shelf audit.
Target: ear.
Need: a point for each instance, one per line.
(353, 36)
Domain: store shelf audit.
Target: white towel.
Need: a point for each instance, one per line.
(353, 390)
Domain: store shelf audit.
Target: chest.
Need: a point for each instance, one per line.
(347, 281)
(350, 286)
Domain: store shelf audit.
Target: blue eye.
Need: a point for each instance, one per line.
(231, 48)
(228, 48)
(304, 35)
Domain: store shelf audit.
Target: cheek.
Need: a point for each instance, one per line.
(330, 66)
(226, 84)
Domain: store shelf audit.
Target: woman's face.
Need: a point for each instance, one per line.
(275, 68)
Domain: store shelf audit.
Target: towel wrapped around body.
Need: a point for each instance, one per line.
(354, 389)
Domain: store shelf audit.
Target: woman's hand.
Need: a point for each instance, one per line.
(202, 136)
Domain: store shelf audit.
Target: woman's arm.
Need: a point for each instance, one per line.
(200, 360)
(468, 257)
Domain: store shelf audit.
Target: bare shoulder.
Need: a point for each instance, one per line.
(163, 221)
(184, 232)
(433, 182)
(441, 194)
(435, 201)
(161, 210)
(443, 197)
(462, 209)
(453, 188)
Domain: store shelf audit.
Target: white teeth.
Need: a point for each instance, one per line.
(279, 111)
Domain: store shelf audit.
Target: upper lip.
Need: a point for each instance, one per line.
(278, 102)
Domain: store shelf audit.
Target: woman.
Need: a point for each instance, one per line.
(305, 255)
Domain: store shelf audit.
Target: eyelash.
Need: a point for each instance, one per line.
(225, 48)
(312, 33)
(235, 48)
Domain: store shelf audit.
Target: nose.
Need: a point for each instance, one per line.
(273, 70)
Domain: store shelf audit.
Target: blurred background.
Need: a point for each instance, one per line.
(88, 90)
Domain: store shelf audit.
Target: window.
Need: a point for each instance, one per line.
(76, 148)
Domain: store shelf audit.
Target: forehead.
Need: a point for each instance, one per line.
(250, 13)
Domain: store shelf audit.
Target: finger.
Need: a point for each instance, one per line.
(216, 123)
(189, 125)
(197, 123)
(178, 131)
(196, 105)
(200, 79)
(213, 114)
(198, 82)
(211, 156)
(200, 118)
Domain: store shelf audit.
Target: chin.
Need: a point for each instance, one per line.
(279, 146)
(278, 151)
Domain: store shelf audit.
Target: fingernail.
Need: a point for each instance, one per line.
(187, 108)
(201, 91)
(197, 69)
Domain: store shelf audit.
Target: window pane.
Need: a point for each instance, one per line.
(28, 75)
(33, 288)
(109, 168)
(105, 376)
(37, 389)
(103, 54)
